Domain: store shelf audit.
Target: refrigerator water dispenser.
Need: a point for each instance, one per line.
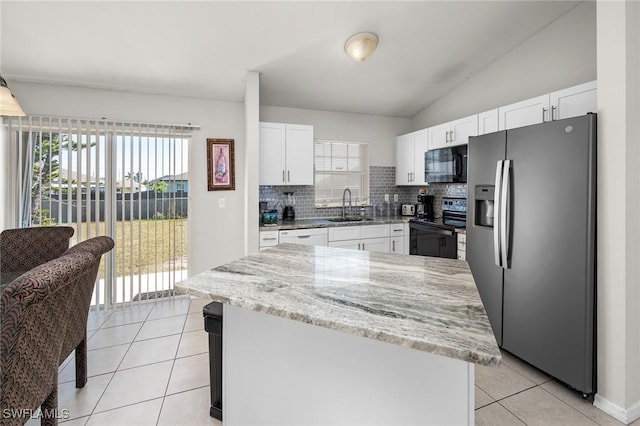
(484, 205)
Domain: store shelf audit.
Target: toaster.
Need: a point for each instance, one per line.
(408, 210)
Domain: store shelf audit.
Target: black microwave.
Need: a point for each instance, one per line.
(446, 165)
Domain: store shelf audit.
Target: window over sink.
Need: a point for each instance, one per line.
(340, 165)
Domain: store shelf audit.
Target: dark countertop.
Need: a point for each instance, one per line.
(325, 223)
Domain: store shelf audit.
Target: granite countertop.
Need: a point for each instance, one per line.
(425, 303)
(326, 223)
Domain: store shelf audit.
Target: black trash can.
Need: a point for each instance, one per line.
(213, 325)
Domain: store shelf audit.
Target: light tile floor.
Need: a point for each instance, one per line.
(148, 364)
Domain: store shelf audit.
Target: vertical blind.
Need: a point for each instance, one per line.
(125, 180)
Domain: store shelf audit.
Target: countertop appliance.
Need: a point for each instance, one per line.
(289, 212)
(531, 243)
(408, 210)
(437, 236)
(446, 165)
(424, 208)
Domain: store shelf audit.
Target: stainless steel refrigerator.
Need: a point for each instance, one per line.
(531, 243)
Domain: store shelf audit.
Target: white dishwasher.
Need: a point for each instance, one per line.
(308, 237)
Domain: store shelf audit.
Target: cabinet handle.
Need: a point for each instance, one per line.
(393, 246)
(283, 176)
(398, 230)
(543, 111)
(358, 246)
(553, 110)
(269, 239)
(446, 137)
(362, 246)
(451, 136)
(288, 175)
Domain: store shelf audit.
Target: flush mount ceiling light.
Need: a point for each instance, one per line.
(360, 46)
(9, 105)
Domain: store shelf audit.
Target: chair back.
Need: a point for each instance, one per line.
(77, 328)
(34, 313)
(25, 248)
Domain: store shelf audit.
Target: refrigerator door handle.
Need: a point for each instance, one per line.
(504, 213)
(496, 222)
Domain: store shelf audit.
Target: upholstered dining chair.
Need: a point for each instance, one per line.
(25, 248)
(76, 336)
(34, 314)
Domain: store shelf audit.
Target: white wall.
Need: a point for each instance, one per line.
(379, 131)
(618, 209)
(561, 55)
(252, 160)
(215, 235)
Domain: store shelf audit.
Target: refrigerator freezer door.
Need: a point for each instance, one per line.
(549, 290)
(484, 153)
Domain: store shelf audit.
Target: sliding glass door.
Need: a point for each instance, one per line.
(128, 181)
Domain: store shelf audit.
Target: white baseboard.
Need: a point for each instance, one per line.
(626, 416)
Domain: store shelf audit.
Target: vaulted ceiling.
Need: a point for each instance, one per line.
(203, 49)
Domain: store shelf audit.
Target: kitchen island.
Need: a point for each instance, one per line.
(320, 335)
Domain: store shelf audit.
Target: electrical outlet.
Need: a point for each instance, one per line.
(222, 203)
(386, 198)
(395, 198)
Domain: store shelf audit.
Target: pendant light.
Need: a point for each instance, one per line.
(360, 46)
(9, 105)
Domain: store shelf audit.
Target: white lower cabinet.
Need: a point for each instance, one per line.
(268, 239)
(372, 238)
(462, 246)
(396, 238)
(308, 237)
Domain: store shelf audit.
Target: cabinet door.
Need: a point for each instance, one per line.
(574, 101)
(524, 113)
(374, 231)
(299, 154)
(268, 238)
(376, 245)
(272, 153)
(404, 159)
(420, 146)
(397, 245)
(461, 129)
(488, 122)
(349, 244)
(439, 136)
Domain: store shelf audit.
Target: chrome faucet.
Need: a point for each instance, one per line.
(344, 195)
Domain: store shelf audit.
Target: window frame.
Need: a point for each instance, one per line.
(363, 159)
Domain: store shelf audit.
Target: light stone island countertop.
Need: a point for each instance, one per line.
(426, 303)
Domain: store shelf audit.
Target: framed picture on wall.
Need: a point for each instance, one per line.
(220, 165)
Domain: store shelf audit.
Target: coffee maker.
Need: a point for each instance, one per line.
(424, 208)
(289, 212)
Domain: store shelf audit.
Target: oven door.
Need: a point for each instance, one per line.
(431, 240)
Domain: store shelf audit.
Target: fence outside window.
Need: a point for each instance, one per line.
(125, 180)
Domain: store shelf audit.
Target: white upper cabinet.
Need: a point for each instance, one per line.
(570, 102)
(488, 122)
(453, 133)
(405, 165)
(574, 101)
(524, 113)
(286, 154)
(420, 146)
(410, 149)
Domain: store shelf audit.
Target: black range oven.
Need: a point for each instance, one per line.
(438, 237)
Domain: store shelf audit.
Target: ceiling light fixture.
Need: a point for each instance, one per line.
(9, 105)
(360, 46)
